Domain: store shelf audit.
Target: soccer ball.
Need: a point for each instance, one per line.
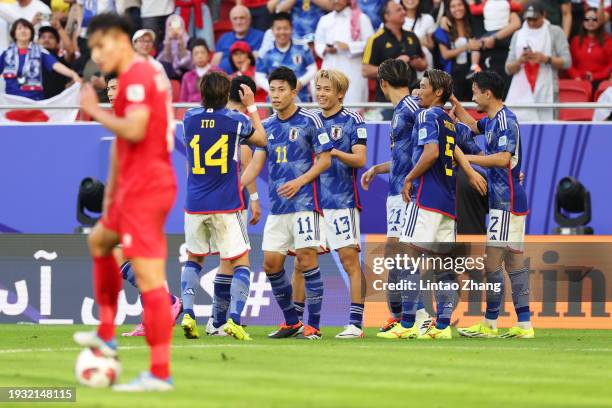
(95, 370)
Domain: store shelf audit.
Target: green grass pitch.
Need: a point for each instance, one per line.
(560, 368)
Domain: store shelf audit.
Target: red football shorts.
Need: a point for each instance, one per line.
(139, 220)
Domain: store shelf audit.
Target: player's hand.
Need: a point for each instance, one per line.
(341, 46)
(521, 177)
(255, 210)
(290, 188)
(477, 182)
(246, 95)
(453, 100)
(367, 177)
(406, 190)
(88, 98)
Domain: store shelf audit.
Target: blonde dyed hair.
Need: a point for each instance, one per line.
(337, 79)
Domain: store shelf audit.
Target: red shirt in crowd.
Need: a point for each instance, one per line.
(591, 56)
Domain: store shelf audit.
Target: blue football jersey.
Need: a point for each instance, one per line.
(339, 183)
(212, 138)
(404, 116)
(291, 149)
(371, 8)
(503, 135)
(435, 190)
(305, 15)
(465, 139)
(297, 58)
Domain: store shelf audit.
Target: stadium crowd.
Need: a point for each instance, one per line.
(43, 44)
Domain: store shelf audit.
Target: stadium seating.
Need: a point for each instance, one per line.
(176, 89)
(221, 27)
(571, 90)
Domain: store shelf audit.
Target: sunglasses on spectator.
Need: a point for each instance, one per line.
(590, 19)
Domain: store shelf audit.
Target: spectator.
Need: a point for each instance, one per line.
(197, 19)
(306, 14)
(242, 60)
(261, 15)
(175, 56)
(35, 11)
(391, 41)
(455, 43)
(190, 84)
(558, 12)
(131, 9)
(372, 8)
(537, 52)
(500, 22)
(285, 53)
(240, 18)
(23, 62)
(53, 82)
(112, 87)
(340, 40)
(143, 41)
(591, 51)
(422, 24)
(154, 14)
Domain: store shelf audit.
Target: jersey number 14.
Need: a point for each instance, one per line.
(209, 161)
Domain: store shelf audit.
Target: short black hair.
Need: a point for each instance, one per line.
(197, 42)
(25, 23)
(214, 88)
(490, 81)
(284, 74)
(384, 9)
(105, 22)
(396, 72)
(234, 95)
(110, 77)
(283, 16)
(439, 79)
(49, 29)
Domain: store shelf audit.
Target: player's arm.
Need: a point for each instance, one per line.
(321, 163)
(477, 182)
(255, 166)
(463, 115)
(356, 159)
(428, 158)
(246, 155)
(258, 138)
(368, 176)
(501, 159)
(131, 128)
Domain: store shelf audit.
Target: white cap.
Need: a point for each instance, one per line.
(140, 33)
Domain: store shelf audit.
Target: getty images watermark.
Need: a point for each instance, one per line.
(456, 264)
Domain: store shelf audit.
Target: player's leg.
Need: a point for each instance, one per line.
(277, 240)
(221, 299)
(309, 239)
(229, 233)
(518, 271)
(299, 292)
(494, 277)
(107, 284)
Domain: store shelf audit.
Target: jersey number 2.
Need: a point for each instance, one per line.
(209, 160)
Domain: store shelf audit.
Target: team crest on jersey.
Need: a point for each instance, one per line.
(502, 141)
(135, 93)
(293, 134)
(336, 132)
(297, 59)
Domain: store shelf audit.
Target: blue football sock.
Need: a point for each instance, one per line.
(221, 299)
(128, 274)
(520, 293)
(314, 296)
(446, 298)
(299, 309)
(239, 292)
(283, 292)
(356, 315)
(190, 280)
(420, 304)
(410, 296)
(394, 297)
(494, 298)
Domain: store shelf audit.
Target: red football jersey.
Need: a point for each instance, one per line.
(146, 164)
